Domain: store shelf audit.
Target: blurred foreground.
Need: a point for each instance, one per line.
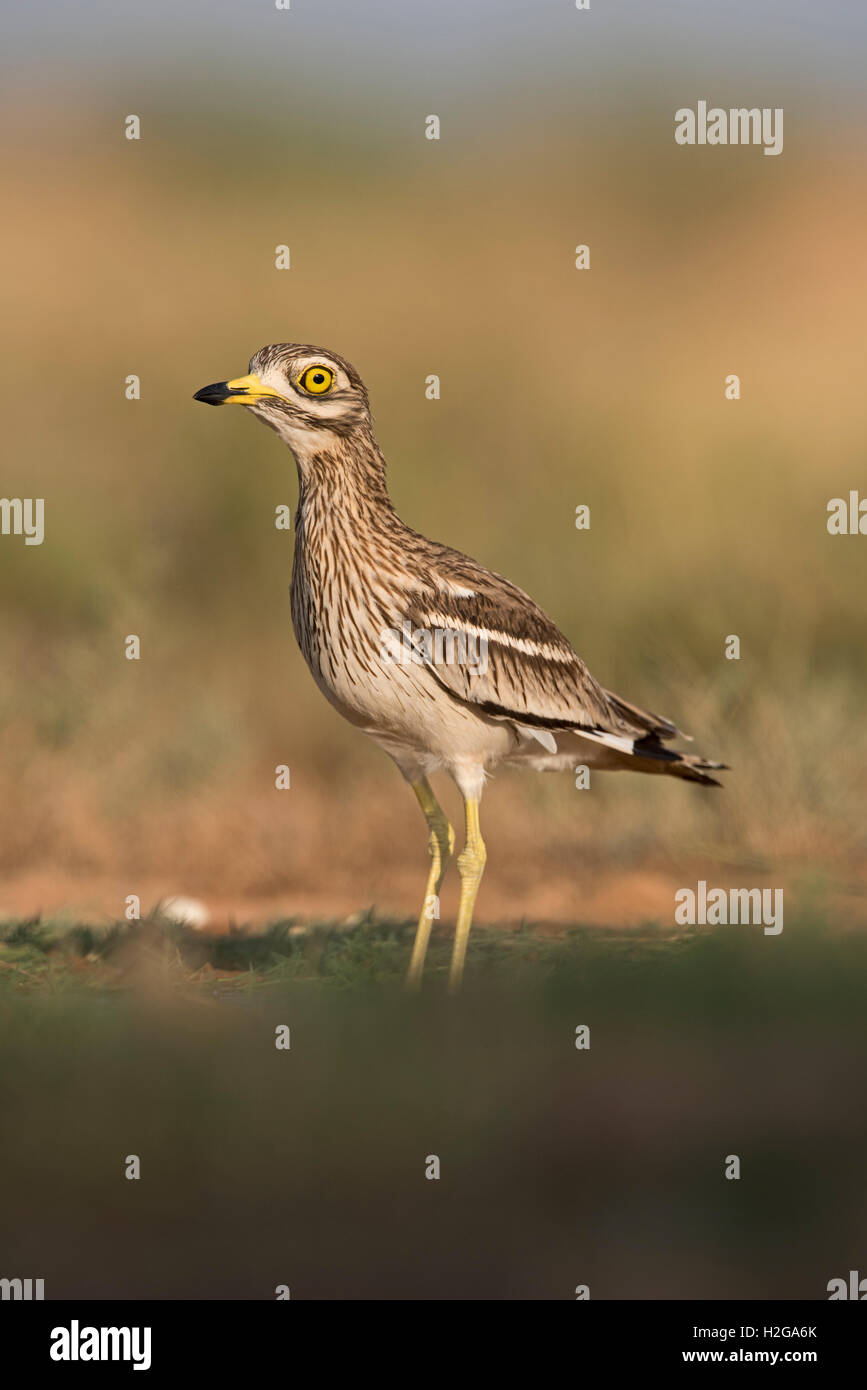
(558, 1166)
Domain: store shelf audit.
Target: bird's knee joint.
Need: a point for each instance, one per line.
(472, 859)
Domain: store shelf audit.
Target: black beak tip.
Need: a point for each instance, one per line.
(213, 395)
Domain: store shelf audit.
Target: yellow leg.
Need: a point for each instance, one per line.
(440, 846)
(471, 865)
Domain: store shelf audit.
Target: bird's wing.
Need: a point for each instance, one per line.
(489, 645)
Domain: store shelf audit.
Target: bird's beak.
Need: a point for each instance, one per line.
(245, 389)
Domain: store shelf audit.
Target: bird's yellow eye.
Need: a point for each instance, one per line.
(316, 380)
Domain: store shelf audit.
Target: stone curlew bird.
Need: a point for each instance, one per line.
(445, 664)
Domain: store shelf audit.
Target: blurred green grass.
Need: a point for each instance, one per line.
(371, 952)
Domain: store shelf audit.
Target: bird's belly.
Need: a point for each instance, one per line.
(401, 705)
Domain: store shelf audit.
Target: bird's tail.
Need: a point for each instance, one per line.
(683, 765)
(652, 756)
(649, 754)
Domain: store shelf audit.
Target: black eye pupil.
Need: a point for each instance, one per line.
(318, 377)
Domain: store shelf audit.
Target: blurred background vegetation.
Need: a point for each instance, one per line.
(558, 387)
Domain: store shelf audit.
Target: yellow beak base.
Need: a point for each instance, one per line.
(244, 389)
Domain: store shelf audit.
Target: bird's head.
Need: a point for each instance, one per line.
(311, 397)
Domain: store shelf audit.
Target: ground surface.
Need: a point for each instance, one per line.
(307, 1166)
(365, 950)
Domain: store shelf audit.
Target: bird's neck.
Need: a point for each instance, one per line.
(343, 481)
